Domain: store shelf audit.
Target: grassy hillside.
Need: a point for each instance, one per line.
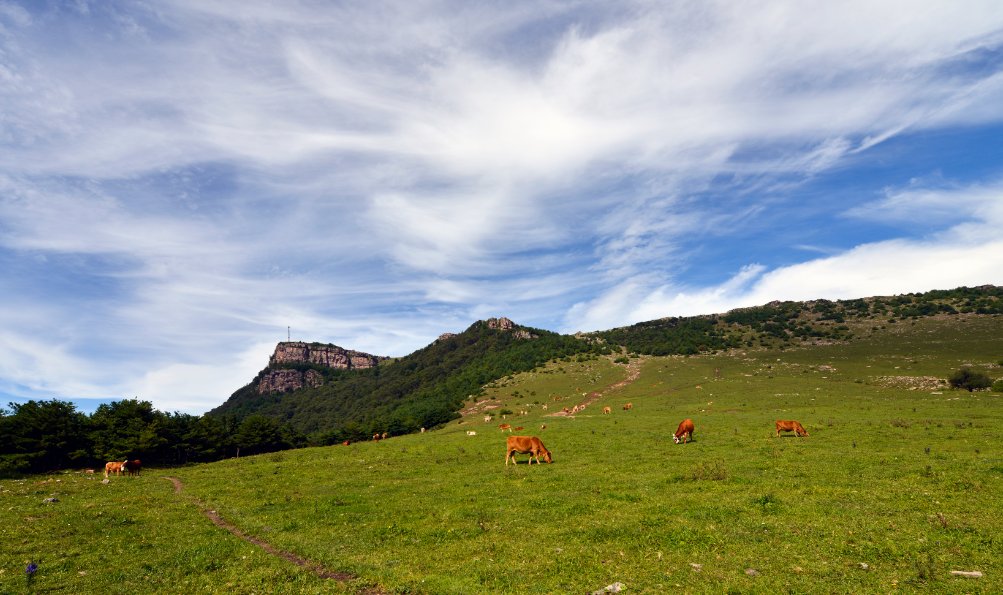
(427, 387)
(898, 484)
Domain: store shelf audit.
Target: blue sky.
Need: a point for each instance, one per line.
(182, 180)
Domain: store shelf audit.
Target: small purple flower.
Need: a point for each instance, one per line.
(29, 572)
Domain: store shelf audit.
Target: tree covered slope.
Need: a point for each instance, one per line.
(423, 389)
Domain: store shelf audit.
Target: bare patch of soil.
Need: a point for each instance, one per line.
(912, 382)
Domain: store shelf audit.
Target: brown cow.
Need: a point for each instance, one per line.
(526, 445)
(789, 425)
(628, 406)
(113, 467)
(684, 432)
(504, 427)
(606, 410)
(132, 467)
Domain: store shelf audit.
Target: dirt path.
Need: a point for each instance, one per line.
(314, 567)
(633, 373)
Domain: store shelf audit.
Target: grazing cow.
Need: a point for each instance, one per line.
(487, 419)
(684, 432)
(423, 430)
(789, 425)
(628, 406)
(504, 427)
(132, 467)
(606, 410)
(113, 467)
(346, 442)
(376, 436)
(517, 428)
(544, 407)
(384, 436)
(526, 445)
(543, 426)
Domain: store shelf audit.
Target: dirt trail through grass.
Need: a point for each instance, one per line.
(633, 373)
(316, 568)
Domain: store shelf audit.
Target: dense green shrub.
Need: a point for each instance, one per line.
(969, 380)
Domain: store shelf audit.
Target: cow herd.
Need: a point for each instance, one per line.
(124, 467)
(534, 447)
(514, 445)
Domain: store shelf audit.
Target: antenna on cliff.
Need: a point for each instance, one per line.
(288, 335)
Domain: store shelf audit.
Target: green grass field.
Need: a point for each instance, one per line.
(899, 483)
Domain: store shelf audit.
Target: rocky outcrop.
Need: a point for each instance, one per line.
(322, 354)
(288, 380)
(502, 324)
(280, 377)
(445, 336)
(506, 325)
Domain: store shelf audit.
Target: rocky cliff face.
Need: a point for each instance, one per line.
(321, 354)
(506, 325)
(277, 378)
(502, 324)
(286, 380)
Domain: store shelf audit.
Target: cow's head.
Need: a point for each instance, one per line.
(675, 439)
(547, 457)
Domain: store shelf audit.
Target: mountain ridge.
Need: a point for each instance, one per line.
(429, 386)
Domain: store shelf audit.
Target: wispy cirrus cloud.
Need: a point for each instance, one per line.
(180, 178)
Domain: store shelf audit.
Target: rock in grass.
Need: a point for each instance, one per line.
(751, 572)
(50, 500)
(614, 588)
(864, 565)
(696, 567)
(967, 573)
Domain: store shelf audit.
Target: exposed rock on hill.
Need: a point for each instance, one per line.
(322, 354)
(288, 380)
(506, 325)
(502, 324)
(284, 373)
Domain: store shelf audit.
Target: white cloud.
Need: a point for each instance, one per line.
(380, 174)
(194, 387)
(969, 253)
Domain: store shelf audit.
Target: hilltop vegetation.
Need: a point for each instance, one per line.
(784, 324)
